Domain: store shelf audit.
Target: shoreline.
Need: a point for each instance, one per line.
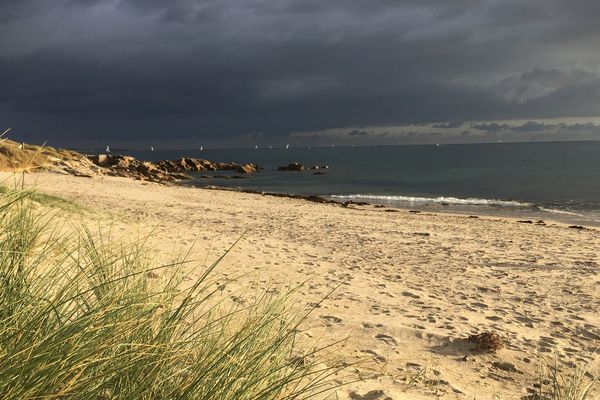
(525, 217)
(182, 170)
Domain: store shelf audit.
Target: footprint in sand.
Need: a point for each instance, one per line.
(409, 294)
(374, 354)
(330, 319)
(387, 339)
(493, 318)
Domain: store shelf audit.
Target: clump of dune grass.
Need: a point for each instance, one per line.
(81, 318)
(563, 383)
(47, 199)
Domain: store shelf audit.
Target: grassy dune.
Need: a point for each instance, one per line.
(82, 318)
(26, 157)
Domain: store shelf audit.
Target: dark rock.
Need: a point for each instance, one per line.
(181, 177)
(248, 168)
(291, 167)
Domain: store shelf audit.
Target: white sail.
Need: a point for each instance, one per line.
(151, 148)
(287, 146)
(108, 149)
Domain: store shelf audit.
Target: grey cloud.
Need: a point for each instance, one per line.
(581, 127)
(449, 125)
(358, 133)
(538, 83)
(537, 127)
(531, 126)
(490, 127)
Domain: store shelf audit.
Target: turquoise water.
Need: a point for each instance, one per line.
(553, 180)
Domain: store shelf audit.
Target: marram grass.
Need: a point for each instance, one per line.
(558, 382)
(83, 319)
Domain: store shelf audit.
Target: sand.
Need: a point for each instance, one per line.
(409, 288)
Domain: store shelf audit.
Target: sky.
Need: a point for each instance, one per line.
(235, 73)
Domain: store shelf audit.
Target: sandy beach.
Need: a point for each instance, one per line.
(408, 288)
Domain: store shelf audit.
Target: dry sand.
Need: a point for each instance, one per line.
(410, 287)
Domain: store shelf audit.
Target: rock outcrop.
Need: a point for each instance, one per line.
(196, 164)
(166, 170)
(24, 157)
(292, 167)
(131, 167)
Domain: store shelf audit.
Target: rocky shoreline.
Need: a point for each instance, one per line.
(310, 198)
(24, 157)
(166, 170)
(18, 157)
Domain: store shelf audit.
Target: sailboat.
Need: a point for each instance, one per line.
(256, 147)
(270, 147)
(108, 149)
(287, 146)
(151, 148)
(201, 148)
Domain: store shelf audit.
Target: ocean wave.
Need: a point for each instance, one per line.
(564, 212)
(437, 200)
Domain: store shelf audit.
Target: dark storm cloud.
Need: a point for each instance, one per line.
(536, 127)
(218, 70)
(358, 133)
(490, 127)
(449, 125)
(532, 126)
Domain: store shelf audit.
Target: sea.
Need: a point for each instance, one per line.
(556, 181)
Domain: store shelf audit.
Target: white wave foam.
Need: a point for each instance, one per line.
(437, 200)
(555, 211)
